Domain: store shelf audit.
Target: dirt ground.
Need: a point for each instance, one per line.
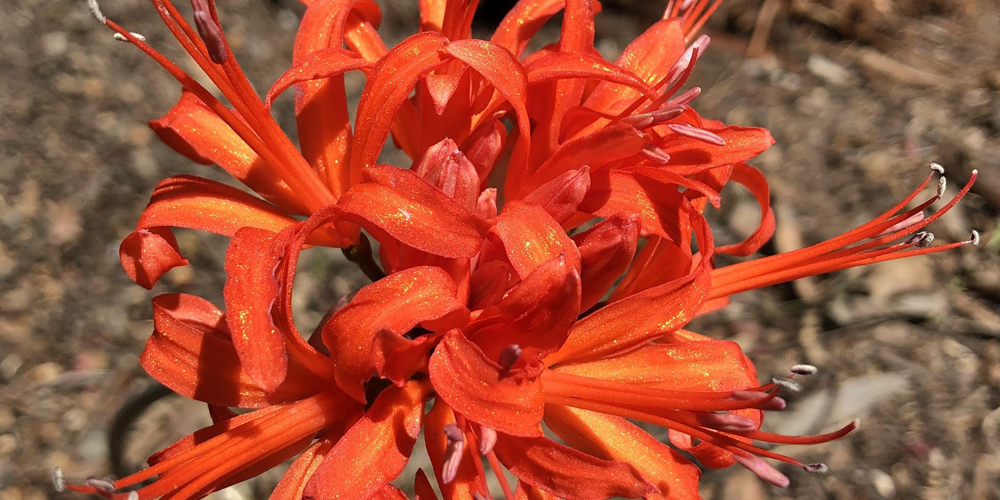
(860, 95)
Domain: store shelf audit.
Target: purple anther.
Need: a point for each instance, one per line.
(453, 453)
(802, 369)
(209, 31)
(487, 439)
(685, 98)
(765, 471)
(697, 134)
(786, 383)
(655, 154)
(508, 356)
(726, 422)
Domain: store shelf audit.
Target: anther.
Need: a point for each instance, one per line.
(453, 453)
(816, 468)
(787, 384)
(804, 369)
(696, 133)
(58, 480)
(975, 238)
(101, 484)
(726, 422)
(655, 154)
(765, 471)
(487, 439)
(122, 38)
(909, 221)
(209, 31)
(937, 168)
(942, 185)
(95, 10)
(685, 98)
(922, 239)
(509, 356)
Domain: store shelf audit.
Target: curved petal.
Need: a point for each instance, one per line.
(389, 84)
(615, 438)
(389, 492)
(251, 291)
(753, 180)
(531, 237)
(561, 196)
(397, 303)
(661, 206)
(194, 130)
(565, 472)
(293, 482)
(629, 323)
(374, 450)
(192, 353)
(397, 358)
(400, 204)
(689, 156)
(536, 315)
(147, 254)
(422, 489)
(524, 20)
(321, 64)
(563, 65)
(478, 388)
(660, 261)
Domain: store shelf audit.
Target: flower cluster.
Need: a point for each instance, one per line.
(537, 263)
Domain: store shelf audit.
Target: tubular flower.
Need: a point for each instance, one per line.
(541, 275)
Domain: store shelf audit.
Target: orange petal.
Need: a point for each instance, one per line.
(251, 291)
(615, 438)
(375, 449)
(194, 130)
(660, 261)
(400, 204)
(319, 65)
(566, 472)
(146, 254)
(753, 180)
(531, 237)
(293, 482)
(389, 492)
(389, 84)
(489, 283)
(606, 250)
(689, 156)
(422, 489)
(398, 303)
(661, 206)
(564, 65)
(524, 20)
(192, 353)
(631, 322)
(536, 314)
(526, 491)
(561, 196)
(484, 146)
(397, 358)
(446, 167)
(478, 388)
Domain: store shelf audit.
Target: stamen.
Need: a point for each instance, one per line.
(509, 356)
(726, 422)
(921, 239)
(95, 10)
(802, 369)
(816, 468)
(765, 471)
(122, 38)
(487, 439)
(942, 185)
(937, 168)
(697, 133)
(975, 238)
(655, 154)
(787, 384)
(58, 480)
(685, 98)
(775, 404)
(101, 484)
(909, 221)
(209, 31)
(453, 453)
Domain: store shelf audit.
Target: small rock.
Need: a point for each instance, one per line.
(11, 493)
(54, 43)
(896, 276)
(8, 444)
(7, 419)
(65, 225)
(45, 373)
(883, 483)
(829, 70)
(10, 365)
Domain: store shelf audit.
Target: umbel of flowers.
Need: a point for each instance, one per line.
(536, 263)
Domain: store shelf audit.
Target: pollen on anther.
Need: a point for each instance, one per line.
(802, 369)
(122, 38)
(95, 10)
(942, 185)
(937, 168)
(975, 238)
(816, 468)
(787, 384)
(58, 480)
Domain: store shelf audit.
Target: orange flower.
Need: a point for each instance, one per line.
(496, 249)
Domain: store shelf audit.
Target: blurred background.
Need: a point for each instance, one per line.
(860, 95)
